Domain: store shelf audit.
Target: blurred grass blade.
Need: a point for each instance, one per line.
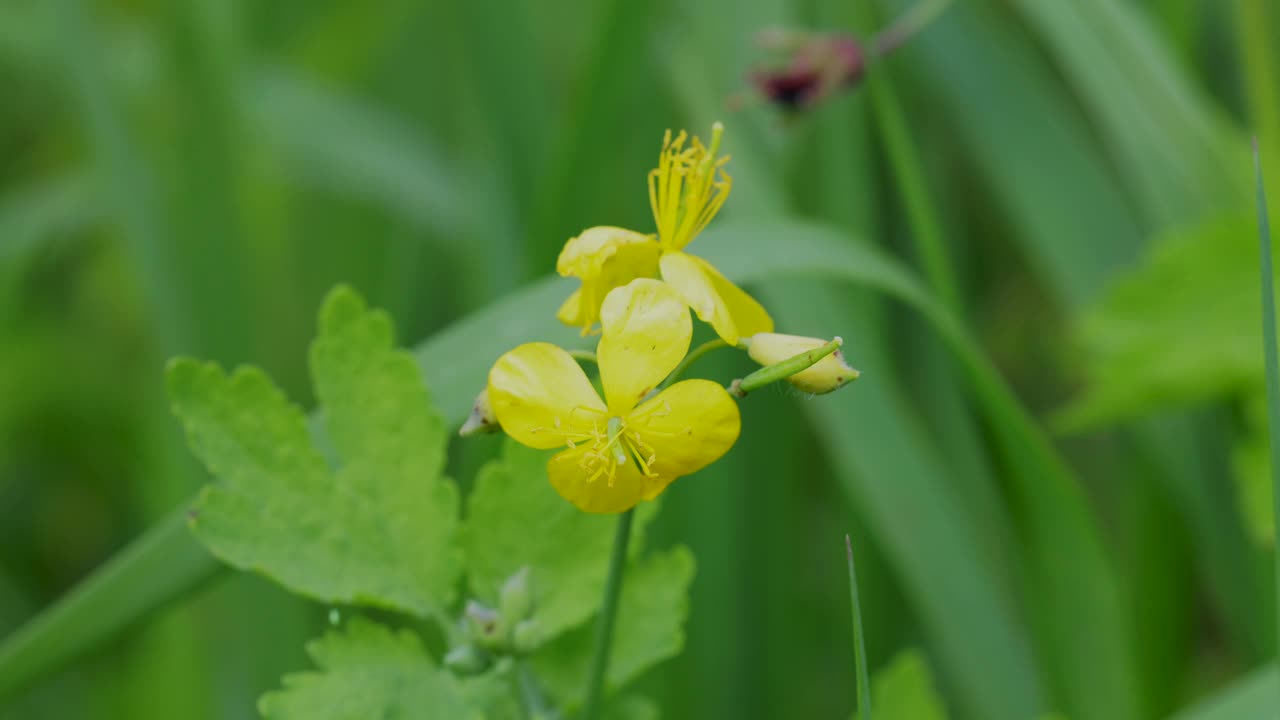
(1270, 353)
(1073, 223)
(1093, 671)
(337, 144)
(859, 644)
(1251, 698)
(1171, 145)
(162, 566)
(53, 208)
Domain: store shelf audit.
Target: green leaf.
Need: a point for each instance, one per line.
(366, 670)
(568, 557)
(632, 707)
(1251, 462)
(1181, 328)
(379, 527)
(650, 629)
(1249, 698)
(904, 690)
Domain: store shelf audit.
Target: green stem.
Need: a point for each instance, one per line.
(904, 160)
(1270, 356)
(859, 644)
(907, 25)
(608, 611)
(783, 370)
(530, 692)
(692, 357)
(583, 356)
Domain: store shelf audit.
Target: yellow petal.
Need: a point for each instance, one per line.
(645, 334)
(570, 313)
(542, 398)
(828, 374)
(685, 428)
(732, 312)
(603, 258)
(575, 476)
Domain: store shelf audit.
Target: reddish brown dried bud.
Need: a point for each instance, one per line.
(812, 66)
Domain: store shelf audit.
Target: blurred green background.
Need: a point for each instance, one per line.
(1071, 178)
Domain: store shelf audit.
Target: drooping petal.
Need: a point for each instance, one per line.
(732, 312)
(603, 258)
(578, 479)
(570, 313)
(685, 428)
(645, 334)
(542, 398)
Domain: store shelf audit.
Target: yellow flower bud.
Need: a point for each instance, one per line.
(481, 419)
(828, 374)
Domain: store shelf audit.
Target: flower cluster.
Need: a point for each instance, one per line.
(648, 429)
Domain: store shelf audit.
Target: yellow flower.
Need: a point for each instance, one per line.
(686, 191)
(624, 448)
(604, 258)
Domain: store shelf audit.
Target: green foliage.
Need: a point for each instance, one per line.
(378, 528)
(567, 556)
(904, 690)
(1251, 461)
(366, 670)
(361, 514)
(651, 615)
(1181, 328)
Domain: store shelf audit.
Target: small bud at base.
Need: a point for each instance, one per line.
(515, 601)
(466, 660)
(481, 419)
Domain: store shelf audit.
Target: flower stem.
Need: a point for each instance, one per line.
(693, 355)
(583, 356)
(604, 624)
(859, 645)
(782, 370)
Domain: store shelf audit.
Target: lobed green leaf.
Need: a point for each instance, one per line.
(366, 670)
(378, 527)
(516, 519)
(650, 629)
(904, 690)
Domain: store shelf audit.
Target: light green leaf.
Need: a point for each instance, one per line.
(366, 671)
(377, 528)
(904, 690)
(568, 556)
(1248, 698)
(1182, 328)
(650, 629)
(632, 707)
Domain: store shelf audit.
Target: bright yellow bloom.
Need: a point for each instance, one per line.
(627, 447)
(686, 190)
(604, 258)
(828, 374)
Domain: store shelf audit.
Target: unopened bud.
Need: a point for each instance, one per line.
(515, 601)
(466, 660)
(485, 625)
(828, 374)
(481, 419)
(527, 636)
